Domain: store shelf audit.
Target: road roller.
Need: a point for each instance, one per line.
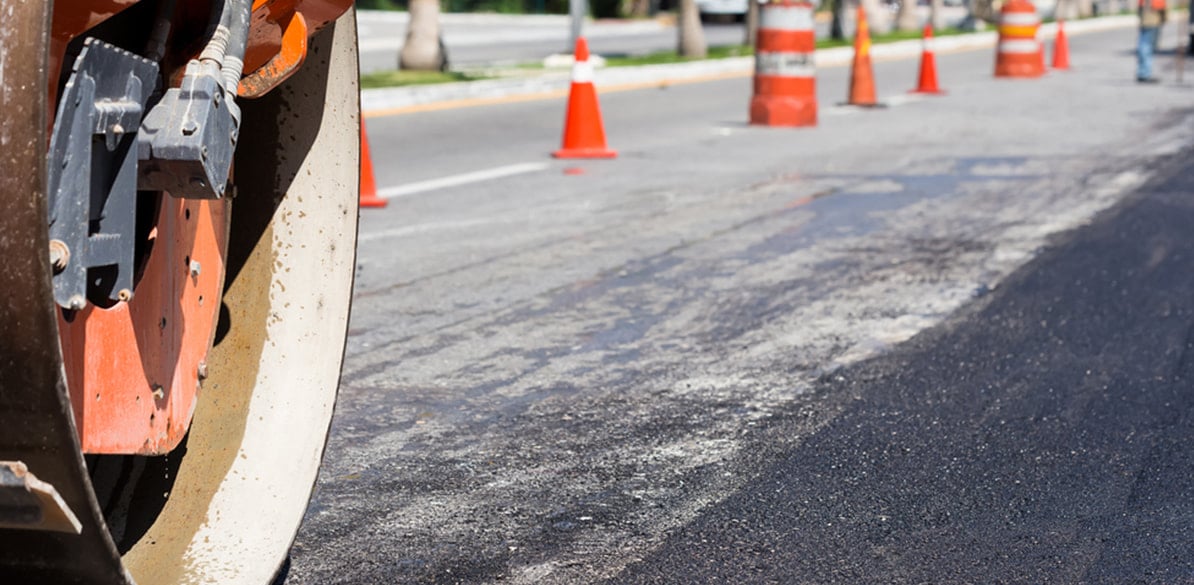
(178, 215)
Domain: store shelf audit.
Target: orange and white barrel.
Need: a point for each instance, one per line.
(1020, 54)
(785, 76)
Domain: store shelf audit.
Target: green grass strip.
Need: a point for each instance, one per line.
(663, 57)
(743, 50)
(406, 78)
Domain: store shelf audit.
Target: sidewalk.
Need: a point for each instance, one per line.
(474, 29)
(552, 83)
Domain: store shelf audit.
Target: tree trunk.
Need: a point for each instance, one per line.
(935, 7)
(636, 8)
(423, 49)
(984, 10)
(691, 43)
(836, 31)
(1065, 10)
(876, 16)
(752, 23)
(908, 19)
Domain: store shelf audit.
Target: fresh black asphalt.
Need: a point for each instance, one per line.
(1043, 436)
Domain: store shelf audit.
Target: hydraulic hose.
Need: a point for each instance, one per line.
(226, 48)
(233, 63)
(188, 138)
(217, 45)
(155, 50)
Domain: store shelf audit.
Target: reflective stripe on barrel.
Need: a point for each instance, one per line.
(786, 40)
(1019, 19)
(1019, 46)
(785, 64)
(795, 16)
(1018, 25)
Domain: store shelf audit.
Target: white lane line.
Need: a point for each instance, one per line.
(892, 101)
(904, 98)
(423, 228)
(461, 179)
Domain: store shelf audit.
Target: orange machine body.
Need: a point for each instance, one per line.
(277, 38)
(135, 369)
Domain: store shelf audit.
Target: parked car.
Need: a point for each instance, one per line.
(723, 8)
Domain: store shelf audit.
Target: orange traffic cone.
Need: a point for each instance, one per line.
(862, 76)
(1061, 48)
(928, 66)
(369, 196)
(584, 136)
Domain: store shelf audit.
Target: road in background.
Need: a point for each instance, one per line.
(474, 40)
(555, 366)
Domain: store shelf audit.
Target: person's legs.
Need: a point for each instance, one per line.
(1144, 52)
(1190, 29)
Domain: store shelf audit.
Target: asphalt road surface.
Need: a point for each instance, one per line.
(943, 341)
(1043, 436)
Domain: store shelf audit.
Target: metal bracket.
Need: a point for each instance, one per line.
(29, 503)
(187, 140)
(93, 178)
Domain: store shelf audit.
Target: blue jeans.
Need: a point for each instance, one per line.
(1144, 52)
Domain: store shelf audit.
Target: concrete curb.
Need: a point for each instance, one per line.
(375, 102)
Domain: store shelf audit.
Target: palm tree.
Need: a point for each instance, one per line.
(636, 8)
(752, 23)
(692, 37)
(983, 10)
(423, 49)
(876, 17)
(836, 31)
(908, 19)
(1073, 9)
